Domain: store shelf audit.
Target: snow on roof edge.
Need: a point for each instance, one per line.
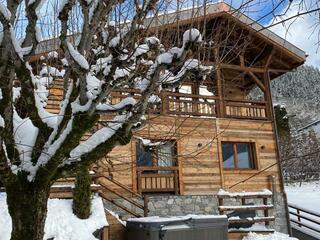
(211, 8)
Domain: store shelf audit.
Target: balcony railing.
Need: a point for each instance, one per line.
(199, 105)
(158, 179)
(245, 109)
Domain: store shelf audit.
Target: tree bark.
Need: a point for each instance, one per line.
(27, 205)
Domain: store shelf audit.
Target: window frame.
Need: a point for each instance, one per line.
(252, 156)
(154, 153)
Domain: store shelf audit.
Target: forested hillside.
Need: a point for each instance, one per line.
(299, 91)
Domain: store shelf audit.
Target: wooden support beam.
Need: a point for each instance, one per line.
(242, 58)
(279, 70)
(242, 68)
(251, 69)
(217, 61)
(257, 81)
(269, 58)
(281, 63)
(267, 95)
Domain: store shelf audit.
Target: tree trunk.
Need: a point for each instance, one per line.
(27, 205)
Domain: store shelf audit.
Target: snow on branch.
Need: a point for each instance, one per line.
(17, 47)
(1, 122)
(50, 151)
(25, 135)
(192, 35)
(40, 85)
(127, 102)
(99, 137)
(4, 11)
(77, 57)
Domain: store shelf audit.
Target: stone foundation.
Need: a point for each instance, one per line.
(170, 205)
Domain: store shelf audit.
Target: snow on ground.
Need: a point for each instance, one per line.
(307, 196)
(61, 223)
(271, 236)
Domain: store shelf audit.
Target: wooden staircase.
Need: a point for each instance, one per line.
(238, 202)
(55, 96)
(117, 194)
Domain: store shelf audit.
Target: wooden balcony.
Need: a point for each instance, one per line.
(158, 179)
(199, 105)
(245, 109)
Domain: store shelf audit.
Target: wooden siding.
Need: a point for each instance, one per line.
(261, 134)
(199, 153)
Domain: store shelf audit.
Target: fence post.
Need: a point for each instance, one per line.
(299, 219)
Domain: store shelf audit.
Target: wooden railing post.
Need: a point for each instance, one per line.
(139, 182)
(145, 205)
(176, 182)
(164, 102)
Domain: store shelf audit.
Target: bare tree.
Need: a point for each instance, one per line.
(38, 147)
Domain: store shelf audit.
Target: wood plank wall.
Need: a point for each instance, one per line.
(199, 153)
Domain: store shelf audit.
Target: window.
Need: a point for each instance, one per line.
(152, 154)
(238, 155)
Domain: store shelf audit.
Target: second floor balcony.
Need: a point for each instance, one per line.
(186, 104)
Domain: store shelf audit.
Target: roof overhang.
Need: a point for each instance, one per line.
(185, 16)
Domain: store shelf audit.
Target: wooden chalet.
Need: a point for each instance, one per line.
(208, 134)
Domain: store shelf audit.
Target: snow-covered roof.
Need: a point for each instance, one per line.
(207, 11)
(218, 8)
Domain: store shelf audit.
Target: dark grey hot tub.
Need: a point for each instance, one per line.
(189, 227)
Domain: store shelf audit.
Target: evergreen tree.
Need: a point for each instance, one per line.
(282, 121)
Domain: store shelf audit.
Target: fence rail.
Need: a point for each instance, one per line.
(304, 218)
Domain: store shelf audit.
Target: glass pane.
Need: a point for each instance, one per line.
(165, 155)
(228, 155)
(143, 156)
(244, 157)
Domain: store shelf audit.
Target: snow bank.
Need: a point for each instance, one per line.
(308, 195)
(272, 236)
(61, 223)
(5, 219)
(305, 196)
